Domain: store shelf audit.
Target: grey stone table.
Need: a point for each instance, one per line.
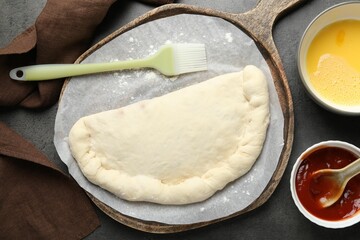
(278, 218)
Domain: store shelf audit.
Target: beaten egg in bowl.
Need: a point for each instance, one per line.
(329, 58)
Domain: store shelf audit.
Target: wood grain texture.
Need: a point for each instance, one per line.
(258, 24)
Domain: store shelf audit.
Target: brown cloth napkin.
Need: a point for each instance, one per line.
(61, 33)
(37, 200)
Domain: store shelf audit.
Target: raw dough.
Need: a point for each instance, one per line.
(179, 148)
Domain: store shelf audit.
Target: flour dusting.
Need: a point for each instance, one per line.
(229, 37)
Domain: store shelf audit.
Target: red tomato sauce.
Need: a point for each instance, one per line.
(327, 157)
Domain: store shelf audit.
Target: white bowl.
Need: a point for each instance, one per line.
(325, 223)
(342, 11)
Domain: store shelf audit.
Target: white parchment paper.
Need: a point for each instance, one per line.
(228, 49)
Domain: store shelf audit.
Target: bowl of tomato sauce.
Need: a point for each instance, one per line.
(328, 154)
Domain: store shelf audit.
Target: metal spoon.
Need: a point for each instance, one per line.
(328, 184)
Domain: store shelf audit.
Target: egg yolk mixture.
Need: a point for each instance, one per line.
(333, 62)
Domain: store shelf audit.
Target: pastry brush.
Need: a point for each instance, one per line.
(170, 60)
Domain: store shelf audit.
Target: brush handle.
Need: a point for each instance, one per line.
(53, 71)
(352, 169)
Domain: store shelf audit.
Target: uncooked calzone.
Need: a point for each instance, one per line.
(181, 147)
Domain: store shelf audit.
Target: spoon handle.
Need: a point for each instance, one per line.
(352, 169)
